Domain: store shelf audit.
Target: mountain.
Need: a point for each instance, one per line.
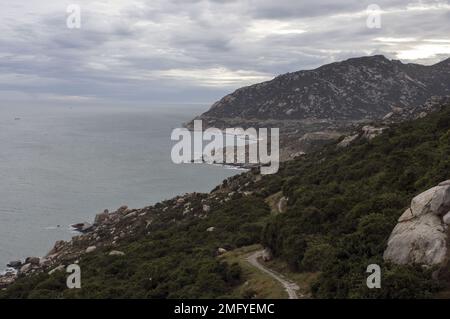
(355, 89)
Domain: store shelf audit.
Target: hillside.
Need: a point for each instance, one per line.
(355, 89)
(314, 107)
(341, 204)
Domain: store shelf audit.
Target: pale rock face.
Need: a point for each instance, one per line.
(421, 203)
(421, 233)
(446, 219)
(348, 140)
(116, 253)
(90, 249)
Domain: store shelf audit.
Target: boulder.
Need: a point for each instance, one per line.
(25, 268)
(221, 251)
(56, 248)
(82, 227)
(123, 210)
(101, 218)
(7, 280)
(59, 268)
(90, 249)
(206, 208)
(420, 237)
(446, 219)
(130, 215)
(282, 205)
(348, 140)
(267, 254)
(16, 264)
(210, 229)
(33, 260)
(370, 132)
(116, 253)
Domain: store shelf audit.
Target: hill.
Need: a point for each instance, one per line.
(355, 89)
(314, 107)
(339, 207)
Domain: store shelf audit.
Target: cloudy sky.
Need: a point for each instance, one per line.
(148, 52)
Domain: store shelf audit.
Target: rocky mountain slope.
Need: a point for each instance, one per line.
(355, 89)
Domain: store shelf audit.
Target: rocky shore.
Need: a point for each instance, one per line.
(110, 229)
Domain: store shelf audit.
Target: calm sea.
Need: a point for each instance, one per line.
(62, 165)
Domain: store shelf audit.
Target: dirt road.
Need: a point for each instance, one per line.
(290, 287)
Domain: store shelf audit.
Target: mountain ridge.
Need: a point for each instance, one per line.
(353, 89)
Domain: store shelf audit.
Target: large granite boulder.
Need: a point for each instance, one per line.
(420, 237)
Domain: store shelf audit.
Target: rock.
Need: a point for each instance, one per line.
(370, 132)
(267, 254)
(420, 236)
(90, 249)
(388, 116)
(211, 229)
(56, 248)
(44, 262)
(397, 109)
(33, 260)
(282, 205)
(348, 140)
(123, 209)
(130, 215)
(25, 268)
(221, 251)
(16, 264)
(445, 183)
(116, 253)
(7, 280)
(59, 268)
(101, 218)
(206, 208)
(82, 227)
(446, 219)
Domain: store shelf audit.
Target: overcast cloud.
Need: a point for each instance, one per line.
(195, 51)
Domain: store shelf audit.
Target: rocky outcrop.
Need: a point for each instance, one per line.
(16, 264)
(7, 280)
(421, 235)
(370, 132)
(82, 227)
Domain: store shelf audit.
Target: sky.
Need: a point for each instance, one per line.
(148, 52)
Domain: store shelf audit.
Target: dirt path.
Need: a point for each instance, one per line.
(290, 287)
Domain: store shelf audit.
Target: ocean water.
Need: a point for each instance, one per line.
(62, 165)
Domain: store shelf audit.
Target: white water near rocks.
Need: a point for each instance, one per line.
(62, 165)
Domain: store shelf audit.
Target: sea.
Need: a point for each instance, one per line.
(61, 165)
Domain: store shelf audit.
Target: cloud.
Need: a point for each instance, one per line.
(161, 51)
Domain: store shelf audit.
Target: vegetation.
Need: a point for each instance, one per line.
(342, 206)
(344, 203)
(177, 261)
